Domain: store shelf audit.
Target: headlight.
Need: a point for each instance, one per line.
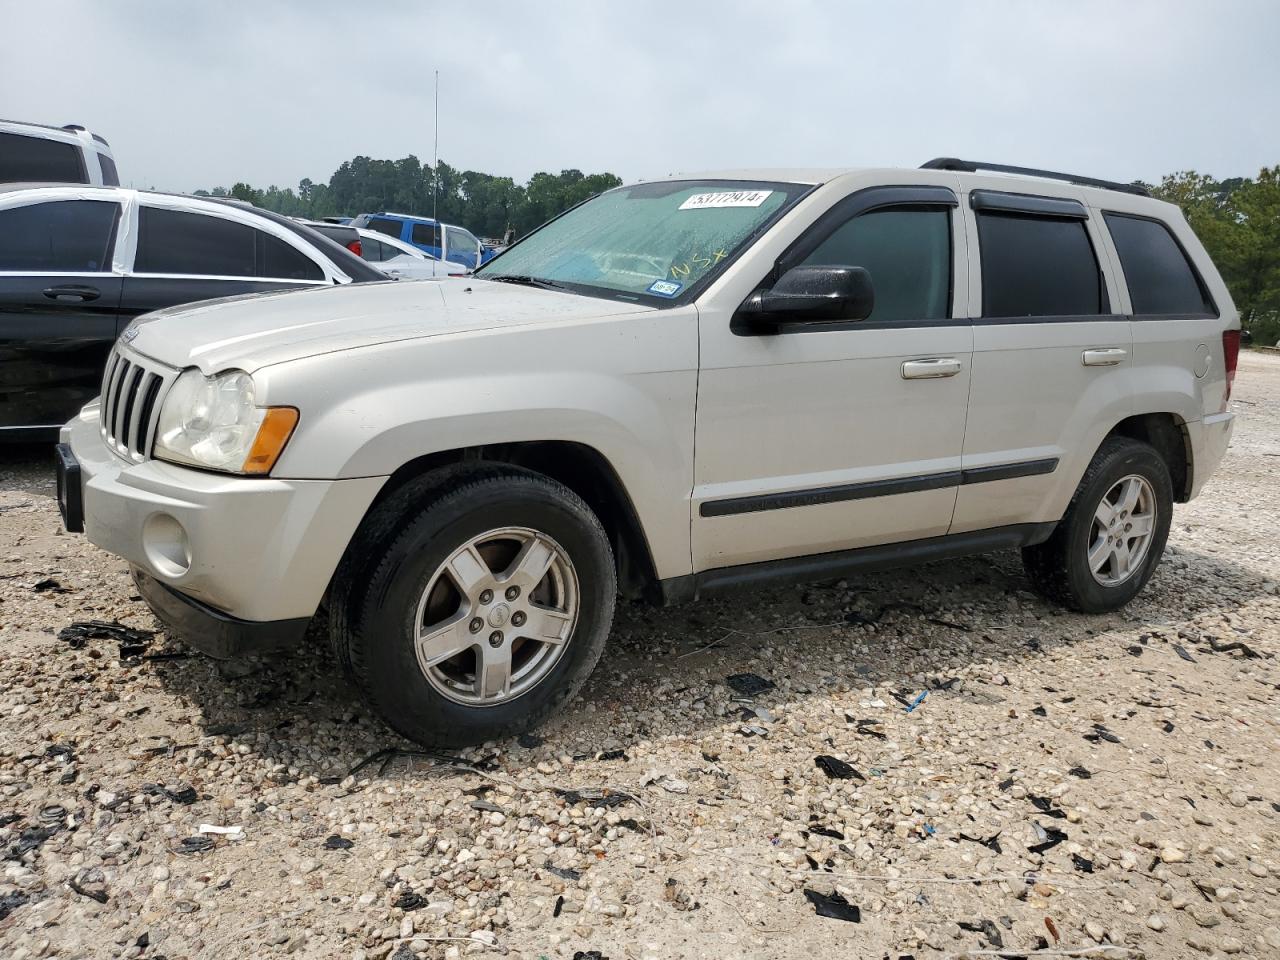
(212, 422)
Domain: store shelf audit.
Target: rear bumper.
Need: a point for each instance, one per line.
(211, 631)
(1209, 440)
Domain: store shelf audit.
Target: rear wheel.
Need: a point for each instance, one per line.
(1112, 536)
(477, 613)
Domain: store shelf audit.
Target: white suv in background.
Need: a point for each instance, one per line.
(34, 153)
(675, 389)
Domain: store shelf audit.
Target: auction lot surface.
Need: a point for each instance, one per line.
(1068, 783)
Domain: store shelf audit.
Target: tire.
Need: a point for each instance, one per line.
(1061, 568)
(400, 580)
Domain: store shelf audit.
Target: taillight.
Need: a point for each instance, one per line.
(1230, 356)
(354, 247)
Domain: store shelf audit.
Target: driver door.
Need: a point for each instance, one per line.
(824, 437)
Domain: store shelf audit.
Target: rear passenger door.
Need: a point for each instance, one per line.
(183, 256)
(59, 299)
(1050, 357)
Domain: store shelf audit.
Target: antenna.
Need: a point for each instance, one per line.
(435, 160)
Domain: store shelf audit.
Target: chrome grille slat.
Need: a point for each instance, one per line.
(132, 388)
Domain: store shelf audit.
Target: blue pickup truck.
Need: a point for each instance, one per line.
(444, 241)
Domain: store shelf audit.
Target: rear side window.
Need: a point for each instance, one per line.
(109, 176)
(279, 260)
(907, 252)
(427, 234)
(173, 241)
(1160, 277)
(71, 236)
(1035, 266)
(390, 227)
(34, 158)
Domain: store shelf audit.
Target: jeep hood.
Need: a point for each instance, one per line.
(255, 330)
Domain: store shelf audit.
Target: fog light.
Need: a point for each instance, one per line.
(166, 545)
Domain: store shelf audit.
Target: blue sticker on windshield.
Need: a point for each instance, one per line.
(664, 288)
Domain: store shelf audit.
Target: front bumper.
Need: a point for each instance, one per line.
(210, 631)
(255, 550)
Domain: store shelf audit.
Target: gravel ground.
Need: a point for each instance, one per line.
(1097, 786)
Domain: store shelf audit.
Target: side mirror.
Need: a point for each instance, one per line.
(812, 294)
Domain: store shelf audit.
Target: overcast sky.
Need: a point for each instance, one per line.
(199, 94)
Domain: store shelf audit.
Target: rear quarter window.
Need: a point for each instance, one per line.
(1161, 280)
(34, 158)
(1037, 266)
(390, 227)
(427, 234)
(109, 176)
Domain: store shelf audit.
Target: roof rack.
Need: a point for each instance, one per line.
(973, 166)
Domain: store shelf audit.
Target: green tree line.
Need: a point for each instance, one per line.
(486, 205)
(1238, 221)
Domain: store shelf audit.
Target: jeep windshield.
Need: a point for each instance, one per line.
(653, 242)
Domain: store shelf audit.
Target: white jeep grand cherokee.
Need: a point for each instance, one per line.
(674, 389)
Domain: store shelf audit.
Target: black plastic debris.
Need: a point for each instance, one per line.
(30, 839)
(529, 740)
(1080, 772)
(182, 793)
(593, 798)
(826, 832)
(748, 684)
(10, 902)
(612, 755)
(1101, 733)
(1053, 838)
(8, 818)
(336, 842)
(1167, 727)
(410, 901)
(589, 955)
(985, 927)
(564, 873)
(1181, 651)
(1040, 711)
(49, 585)
(991, 843)
(836, 768)
(92, 894)
(76, 635)
(1081, 864)
(1045, 806)
(1005, 784)
(1135, 650)
(833, 905)
(488, 806)
(194, 845)
(866, 727)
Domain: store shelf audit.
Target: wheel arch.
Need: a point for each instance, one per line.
(1167, 433)
(582, 469)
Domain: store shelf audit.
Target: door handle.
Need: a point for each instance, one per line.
(930, 369)
(72, 292)
(1103, 357)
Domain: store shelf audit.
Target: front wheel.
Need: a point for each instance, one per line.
(1111, 538)
(483, 613)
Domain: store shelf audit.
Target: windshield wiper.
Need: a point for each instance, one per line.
(526, 281)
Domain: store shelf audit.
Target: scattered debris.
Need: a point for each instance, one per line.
(836, 768)
(917, 701)
(749, 684)
(985, 927)
(235, 831)
(409, 901)
(335, 842)
(194, 845)
(833, 905)
(1182, 652)
(129, 638)
(49, 585)
(992, 842)
(1053, 837)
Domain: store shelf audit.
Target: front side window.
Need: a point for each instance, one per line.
(1037, 266)
(657, 242)
(907, 252)
(1160, 278)
(37, 159)
(71, 236)
(461, 241)
(192, 244)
